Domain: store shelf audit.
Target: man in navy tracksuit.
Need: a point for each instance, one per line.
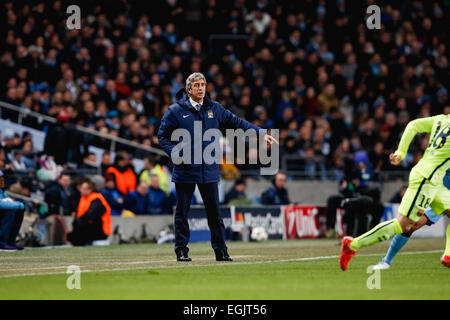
(194, 105)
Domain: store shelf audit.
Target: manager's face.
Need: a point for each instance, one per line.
(198, 90)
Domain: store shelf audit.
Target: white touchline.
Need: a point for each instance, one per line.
(206, 265)
(64, 266)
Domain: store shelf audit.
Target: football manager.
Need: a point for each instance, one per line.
(193, 104)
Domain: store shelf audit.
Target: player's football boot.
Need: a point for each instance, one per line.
(445, 260)
(381, 266)
(346, 253)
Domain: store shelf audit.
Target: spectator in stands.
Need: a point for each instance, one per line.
(93, 218)
(18, 162)
(90, 163)
(11, 217)
(57, 141)
(397, 197)
(237, 193)
(348, 188)
(151, 166)
(112, 195)
(158, 202)
(48, 169)
(258, 21)
(327, 99)
(59, 196)
(137, 201)
(105, 162)
(277, 194)
(124, 175)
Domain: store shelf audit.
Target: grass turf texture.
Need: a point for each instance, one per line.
(295, 269)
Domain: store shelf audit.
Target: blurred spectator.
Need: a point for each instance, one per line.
(124, 175)
(158, 202)
(112, 195)
(59, 196)
(105, 162)
(397, 197)
(57, 140)
(90, 163)
(237, 194)
(277, 194)
(152, 167)
(138, 201)
(258, 21)
(48, 169)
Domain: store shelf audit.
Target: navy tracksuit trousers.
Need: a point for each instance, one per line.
(10, 222)
(210, 196)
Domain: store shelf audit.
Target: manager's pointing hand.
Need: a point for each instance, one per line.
(269, 139)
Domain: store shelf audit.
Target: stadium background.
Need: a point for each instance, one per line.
(310, 68)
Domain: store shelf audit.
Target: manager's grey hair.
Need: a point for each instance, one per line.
(194, 77)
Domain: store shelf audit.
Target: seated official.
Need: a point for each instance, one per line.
(277, 194)
(93, 219)
(11, 217)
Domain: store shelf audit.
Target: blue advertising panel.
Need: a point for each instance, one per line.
(270, 218)
(198, 224)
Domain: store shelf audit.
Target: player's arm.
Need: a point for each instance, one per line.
(423, 125)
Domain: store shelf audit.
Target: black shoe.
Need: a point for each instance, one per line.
(183, 256)
(222, 255)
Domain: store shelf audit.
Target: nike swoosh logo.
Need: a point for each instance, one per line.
(186, 116)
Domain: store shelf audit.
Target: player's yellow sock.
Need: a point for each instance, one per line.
(381, 232)
(447, 245)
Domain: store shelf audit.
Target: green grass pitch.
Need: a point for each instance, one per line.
(294, 269)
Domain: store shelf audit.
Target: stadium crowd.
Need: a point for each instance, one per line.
(310, 68)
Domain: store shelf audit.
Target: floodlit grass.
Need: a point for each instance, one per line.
(302, 269)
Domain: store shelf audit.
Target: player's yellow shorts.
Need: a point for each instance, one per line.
(421, 194)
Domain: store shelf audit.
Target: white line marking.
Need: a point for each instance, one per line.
(113, 263)
(187, 265)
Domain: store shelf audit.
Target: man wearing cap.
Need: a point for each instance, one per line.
(193, 107)
(11, 217)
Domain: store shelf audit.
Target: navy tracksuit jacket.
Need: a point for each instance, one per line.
(206, 176)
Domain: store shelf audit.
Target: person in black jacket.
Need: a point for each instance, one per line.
(55, 143)
(277, 194)
(236, 192)
(59, 196)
